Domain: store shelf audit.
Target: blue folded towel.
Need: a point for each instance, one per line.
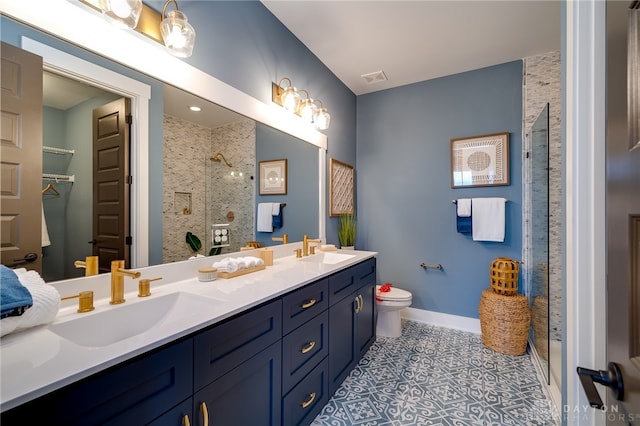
(276, 221)
(14, 297)
(463, 224)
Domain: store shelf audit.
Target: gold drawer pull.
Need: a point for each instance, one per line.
(185, 421)
(309, 304)
(310, 346)
(308, 402)
(205, 413)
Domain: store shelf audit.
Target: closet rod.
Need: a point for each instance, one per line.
(54, 150)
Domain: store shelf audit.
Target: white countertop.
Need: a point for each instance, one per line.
(36, 361)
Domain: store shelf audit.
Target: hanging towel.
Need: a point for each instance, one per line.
(488, 221)
(265, 217)
(15, 299)
(276, 220)
(464, 207)
(463, 215)
(46, 303)
(45, 232)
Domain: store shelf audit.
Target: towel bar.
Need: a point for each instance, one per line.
(456, 201)
(428, 266)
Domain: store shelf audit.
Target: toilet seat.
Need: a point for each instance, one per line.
(395, 295)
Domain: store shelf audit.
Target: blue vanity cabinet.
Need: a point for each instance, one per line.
(136, 392)
(352, 317)
(238, 369)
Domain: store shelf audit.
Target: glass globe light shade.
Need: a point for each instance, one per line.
(290, 99)
(123, 12)
(178, 35)
(307, 109)
(322, 119)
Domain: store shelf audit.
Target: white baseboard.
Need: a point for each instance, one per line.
(442, 320)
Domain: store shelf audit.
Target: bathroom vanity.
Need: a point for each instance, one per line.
(266, 348)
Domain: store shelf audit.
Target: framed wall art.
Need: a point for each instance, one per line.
(480, 161)
(273, 177)
(341, 184)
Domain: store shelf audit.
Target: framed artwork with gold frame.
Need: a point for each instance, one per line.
(341, 184)
(480, 161)
(273, 177)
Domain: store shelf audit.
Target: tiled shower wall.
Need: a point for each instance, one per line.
(542, 85)
(198, 192)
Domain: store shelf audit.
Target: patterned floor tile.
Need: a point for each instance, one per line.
(438, 376)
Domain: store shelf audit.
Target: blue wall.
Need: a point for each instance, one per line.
(302, 193)
(403, 185)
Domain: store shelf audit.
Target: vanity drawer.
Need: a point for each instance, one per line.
(366, 272)
(303, 348)
(304, 304)
(307, 399)
(229, 344)
(342, 284)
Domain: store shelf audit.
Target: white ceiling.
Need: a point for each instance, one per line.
(412, 41)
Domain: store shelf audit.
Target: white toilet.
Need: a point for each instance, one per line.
(389, 305)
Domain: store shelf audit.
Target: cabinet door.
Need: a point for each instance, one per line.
(247, 395)
(342, 345)
(366, 319)
(135, 393)
(176, 416)
(342, 284)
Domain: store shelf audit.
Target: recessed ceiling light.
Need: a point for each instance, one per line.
(195, 108)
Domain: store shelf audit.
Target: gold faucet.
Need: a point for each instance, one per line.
(117, 281)
(90, 265)
(284, 239)
(305, 244)
(85, 301)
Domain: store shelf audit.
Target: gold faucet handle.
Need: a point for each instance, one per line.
(144, 286)
(312, 249)
(298, 253)
(85, 301)
(284, 238)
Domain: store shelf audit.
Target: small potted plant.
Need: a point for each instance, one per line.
(347, 231)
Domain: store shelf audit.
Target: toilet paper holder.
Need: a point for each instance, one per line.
(430, 266)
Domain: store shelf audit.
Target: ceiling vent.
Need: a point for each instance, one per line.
(374, 77)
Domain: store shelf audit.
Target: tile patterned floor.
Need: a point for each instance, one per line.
(438, 376)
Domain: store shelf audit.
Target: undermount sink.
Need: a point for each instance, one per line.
(328, 258)
(121, 322)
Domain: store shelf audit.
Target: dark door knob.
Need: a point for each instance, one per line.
(93, 242)
(28, 258)
(611, 378)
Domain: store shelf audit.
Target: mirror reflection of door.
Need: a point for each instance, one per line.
(111, 182)
(68, 128)
(21, 154)
(623, 207)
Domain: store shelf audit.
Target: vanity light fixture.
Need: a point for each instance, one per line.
(177, 33)
(289, 98)
(123, 12)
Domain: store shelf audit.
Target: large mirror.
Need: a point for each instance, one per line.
(253, 114)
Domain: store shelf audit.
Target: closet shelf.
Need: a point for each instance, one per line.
(58, 178)
(61, 151)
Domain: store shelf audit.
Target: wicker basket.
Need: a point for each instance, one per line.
(504, 276)
(504, 322)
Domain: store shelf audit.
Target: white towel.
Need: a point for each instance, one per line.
(275, 209)
(46, 303)
(488, 221)
(464, 207)
(45, 232)
(265, 217)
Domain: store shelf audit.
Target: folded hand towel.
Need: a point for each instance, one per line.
(464, 207)
(463, 224)
(488, 219)
(46, 303)
(14, 297)
(265, 217)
